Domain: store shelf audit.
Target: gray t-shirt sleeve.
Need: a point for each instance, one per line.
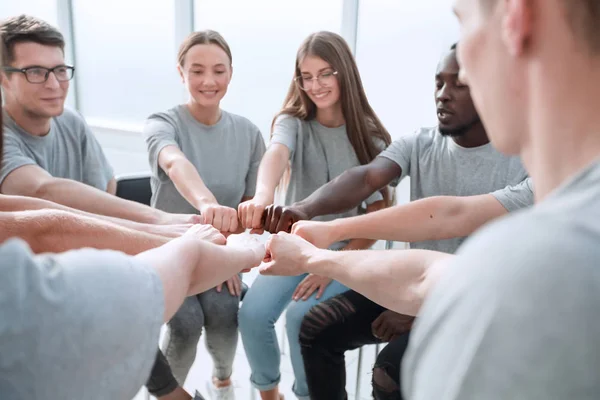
(12, 157)
(159, 133)
(511, 318)
(85, 321)
(400, 152)
(285, 132)
(515, 197)
(97, 171)
(257, 154)
(377, 196)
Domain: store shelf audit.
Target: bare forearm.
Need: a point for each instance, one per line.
(86, 198)
(434, 218)
(270, 172)
(24, 203)
(343, 193)
(189, 183)
(189, 266)
(359, 244)
(396, 279)
(57, 231)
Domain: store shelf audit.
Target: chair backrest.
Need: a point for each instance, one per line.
(135, 187)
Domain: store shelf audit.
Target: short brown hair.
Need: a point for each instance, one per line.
(583, 17)
(25, 28)
(203, 37)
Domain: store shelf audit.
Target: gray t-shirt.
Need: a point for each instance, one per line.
(82, 324)
(437, 166)
(69, 150)
(318, 154)
(226, 155)
(516, 314)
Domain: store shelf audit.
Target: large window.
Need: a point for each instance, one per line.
(398, 47)
(126, 59)
(264, 36)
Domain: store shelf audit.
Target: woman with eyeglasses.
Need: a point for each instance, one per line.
(326, 126)
(203, 159)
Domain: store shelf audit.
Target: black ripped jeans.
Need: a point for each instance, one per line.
(328, 330)
(387, 370)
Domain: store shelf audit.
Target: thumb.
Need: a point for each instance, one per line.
(267, 268)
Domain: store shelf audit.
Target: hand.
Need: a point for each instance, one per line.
(287, 255)
(248, 242)
(308, 286)
(318, 233)
(390, 325)
(234, 284)
(223, 218)
(250, 214)
(206, 232)
(278, 218)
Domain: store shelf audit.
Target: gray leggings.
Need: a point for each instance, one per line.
(217, 313)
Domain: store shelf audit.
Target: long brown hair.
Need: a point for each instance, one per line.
(362, 124)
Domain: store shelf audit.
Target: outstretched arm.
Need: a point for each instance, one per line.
(396, 279)
(33, 181)
(433, 218)
(56, 231)
(341, 194)
(186, 266)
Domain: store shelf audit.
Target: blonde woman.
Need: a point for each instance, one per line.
(204, 160)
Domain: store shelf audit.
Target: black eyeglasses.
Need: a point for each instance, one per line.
(36, 74)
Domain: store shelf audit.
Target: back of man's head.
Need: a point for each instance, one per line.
(583, 17)
(23, 29)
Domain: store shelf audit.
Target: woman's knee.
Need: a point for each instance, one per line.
(186, 325)
(255, 318)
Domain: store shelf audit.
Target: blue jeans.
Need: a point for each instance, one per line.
(264, 303)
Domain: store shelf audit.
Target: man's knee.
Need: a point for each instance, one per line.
(319, 322)
(386, 383)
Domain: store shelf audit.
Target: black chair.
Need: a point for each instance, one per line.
(134, 187)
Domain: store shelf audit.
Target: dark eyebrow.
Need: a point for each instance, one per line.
(39, 66)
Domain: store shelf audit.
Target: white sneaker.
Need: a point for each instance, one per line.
(223, 393)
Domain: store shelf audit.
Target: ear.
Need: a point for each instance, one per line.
(517, 25)
(180, 70)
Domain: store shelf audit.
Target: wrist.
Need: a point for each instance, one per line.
(305, 209)
(263, 198)
(317, 261)
(337, 230)
(204, 202)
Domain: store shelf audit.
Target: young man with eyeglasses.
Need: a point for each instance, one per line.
(49, 151)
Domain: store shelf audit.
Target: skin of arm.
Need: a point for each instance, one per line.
(271, 169)
(186, 266)
(112, 187)
(341, 194)
(56, 231)
(433, 218)
(398, 279)
(188, 182)
(33, 181)
(23, 203)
